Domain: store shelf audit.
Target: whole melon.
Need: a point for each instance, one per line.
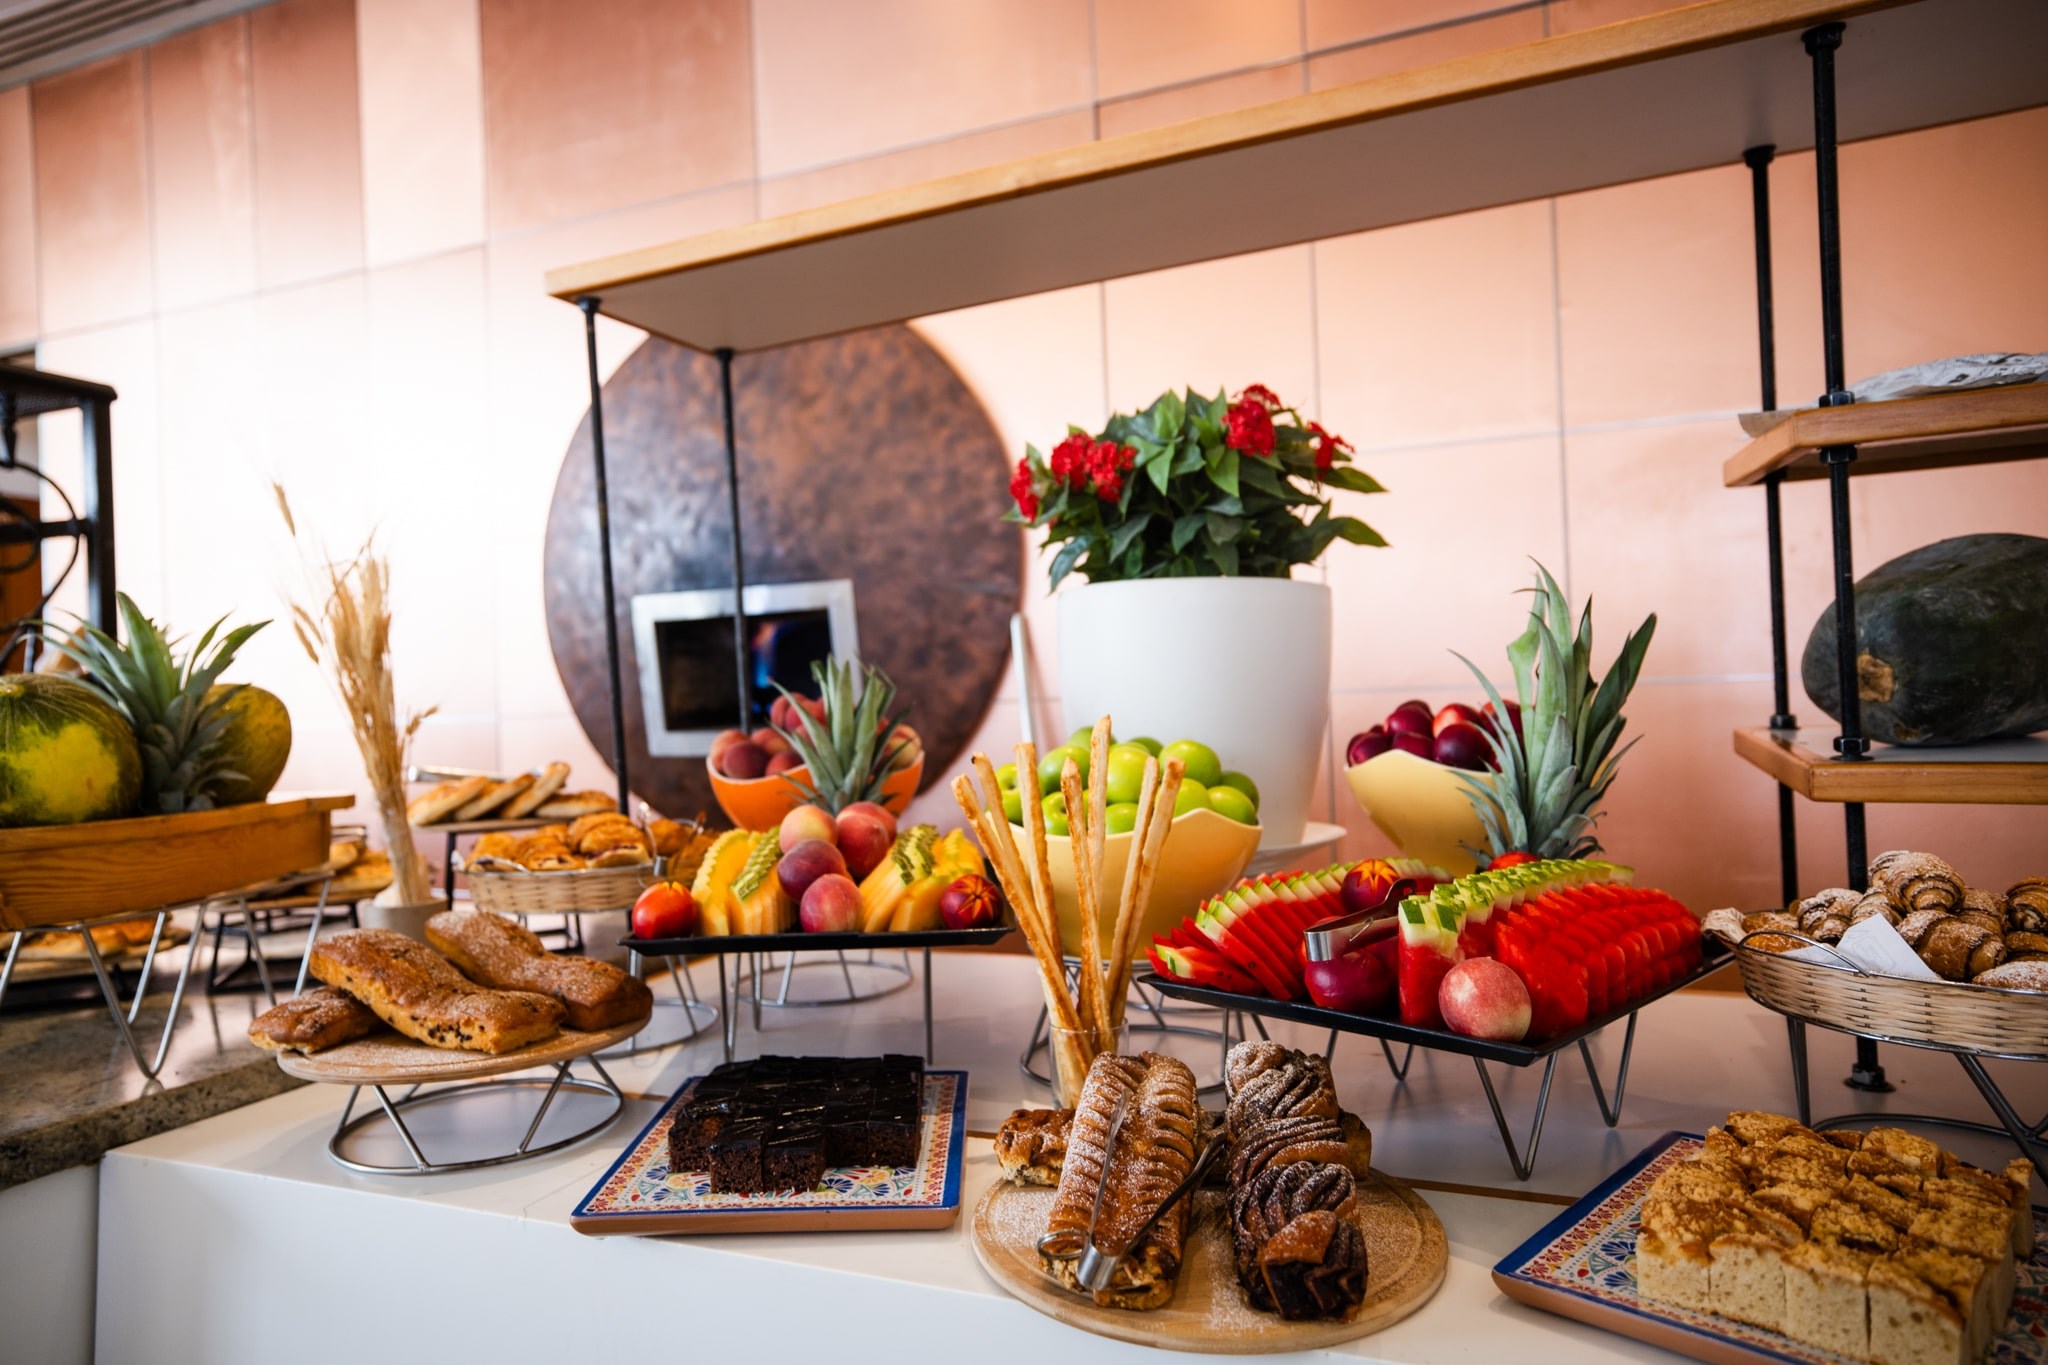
(66, 754)
(256, 744)
(1951, 643)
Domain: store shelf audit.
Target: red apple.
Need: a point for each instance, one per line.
(783, 762)
(1417, 704)
(1514, 714)
(1368, 744)
(1410, 720)
(1457, 713)
(969, 903)
(1369, 886)
(1459, 745)
(665, 910)
(807, 822)
(1482, 997)
(743, 761)
(865, 839)
(1415, 742)
(1357, 983)
(831, 905)
(804, 864)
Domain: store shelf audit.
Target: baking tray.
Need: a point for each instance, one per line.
(1582, 1266)
(639, 1195)
(1716, 957)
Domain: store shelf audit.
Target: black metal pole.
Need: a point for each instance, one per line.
(1758, 159)
(588, 303)
(739, 561)
(98, 418)
(1821, 44)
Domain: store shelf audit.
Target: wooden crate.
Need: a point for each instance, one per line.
(55, 874)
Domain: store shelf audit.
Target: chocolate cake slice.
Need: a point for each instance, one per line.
(778, 1123)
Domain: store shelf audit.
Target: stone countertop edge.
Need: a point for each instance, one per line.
(82, 1139)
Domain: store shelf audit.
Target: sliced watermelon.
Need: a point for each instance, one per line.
(1201, 966)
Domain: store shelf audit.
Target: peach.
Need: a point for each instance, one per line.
(804, 864)
(882, 813)
(743, 760)
(864, 839)
(1482, 997)
(783, 762)
(808, 822)
(830, 905)
(903, 748)
(769, 740)
(724, 740)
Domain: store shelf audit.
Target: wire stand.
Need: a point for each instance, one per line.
(124, 1019)
(697, 1015)
(389, 1110)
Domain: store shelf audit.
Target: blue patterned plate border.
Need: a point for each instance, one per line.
(639, 1194)
(1582, 1266)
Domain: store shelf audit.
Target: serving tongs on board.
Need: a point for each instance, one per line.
(1332, 938)
(1097, 1267)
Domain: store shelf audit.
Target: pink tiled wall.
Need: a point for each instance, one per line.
(307, 244)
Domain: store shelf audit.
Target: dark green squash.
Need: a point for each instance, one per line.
(1951, 643)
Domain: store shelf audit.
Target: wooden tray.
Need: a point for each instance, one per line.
(1405, 1247)
(639, 1194)
(394, 1059)
(55, 874)
(1582, 1266)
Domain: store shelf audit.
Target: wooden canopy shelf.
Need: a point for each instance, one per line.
(1980, 426)
(2006, 773)
(1671, 92)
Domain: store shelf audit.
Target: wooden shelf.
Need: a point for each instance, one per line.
(2004, 772)
(1980, 426)
(1670, 92)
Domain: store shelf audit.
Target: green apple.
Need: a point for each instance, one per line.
(1055, 804)
(1202, 764)
(1006, 777)
(1243, 784)
(1193, 796)
(1148, 744)
(1013, 805)
(1084, 737)
(1125, 772)
(1120, 818)
(1053, 761)
(1233, 804)
(1057, 825)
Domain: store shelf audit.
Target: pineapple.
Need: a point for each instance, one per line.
(844, 752)
(177, 725)
(1543, 800)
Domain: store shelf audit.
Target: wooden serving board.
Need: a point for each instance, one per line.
(57, 874)
(1406, 1252)
(394, 1059)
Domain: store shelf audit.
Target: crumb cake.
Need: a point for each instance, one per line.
(778, 1123)
(1878, 1247)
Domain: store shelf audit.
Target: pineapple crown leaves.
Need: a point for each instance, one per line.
(1545, 797)
(844, 753)
(164, 698)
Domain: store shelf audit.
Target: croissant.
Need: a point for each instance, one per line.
(1834, 903)
(1875, 904)
(1914, 927)
(2026, 905)
(1916, 881)
(1950, 945)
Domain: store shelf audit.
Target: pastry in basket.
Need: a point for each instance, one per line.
(441, 802)
(2026, 905)
(416, 991)
(543, 852)
(1916, 881)
(1877, 1246)
(569, 805)
(492, 798)
(497, 846)
(614, 841)
(545, 784)
(1134, 1165)
(670, 837)
(321, 1018)
(494, 951)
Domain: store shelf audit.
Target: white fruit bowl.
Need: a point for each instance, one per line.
(1422, 806)
(1204, 852)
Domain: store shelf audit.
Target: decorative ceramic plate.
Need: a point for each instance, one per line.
(1582, 1266)
(639, 1194)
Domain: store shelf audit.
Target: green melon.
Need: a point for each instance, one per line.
(66, 754)
(257, 742)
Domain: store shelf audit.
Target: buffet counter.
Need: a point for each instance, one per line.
(220, 1240)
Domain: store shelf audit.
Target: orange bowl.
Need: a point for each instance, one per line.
(761, 802)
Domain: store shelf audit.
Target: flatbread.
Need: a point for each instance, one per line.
(438, 803)
(545, 784)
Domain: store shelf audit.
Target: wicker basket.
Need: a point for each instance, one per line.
(558, 893)
(1952, 1015)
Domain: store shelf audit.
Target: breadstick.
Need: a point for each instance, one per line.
(1127, 907)
(1034, 831)
(1156, 830)
(1026, 906)
(1002, 854)
(1088, 891)
(1098, 829)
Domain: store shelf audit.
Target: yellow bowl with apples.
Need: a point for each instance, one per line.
(1422, 806)
(1204, 852)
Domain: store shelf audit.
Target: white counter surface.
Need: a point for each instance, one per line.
(237, 1237)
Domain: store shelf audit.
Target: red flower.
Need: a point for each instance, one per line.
(1327, 445)
(1023, 493)
(1069, 462)
(1263, 396)
(1250, 427)
(1107, 464)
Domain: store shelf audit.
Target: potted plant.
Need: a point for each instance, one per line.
(1187, 520)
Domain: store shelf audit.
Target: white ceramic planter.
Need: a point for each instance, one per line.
(1241, 664)
(410, 920)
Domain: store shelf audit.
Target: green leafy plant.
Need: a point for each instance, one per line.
(844, 751)
(1192, 487)
(164, 696)
(1552, 774)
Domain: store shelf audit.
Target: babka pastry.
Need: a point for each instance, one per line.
(1153, 1150)
(2026, 905)
(1916, 881)
(1297, 1088)
(1032, 1144)
(1875, 904)
(321, 1018)
(416, 991)
(496, 952)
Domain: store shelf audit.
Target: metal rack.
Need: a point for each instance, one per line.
(28, 392)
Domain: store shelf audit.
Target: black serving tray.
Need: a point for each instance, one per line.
(1717, 955)
(718, 945)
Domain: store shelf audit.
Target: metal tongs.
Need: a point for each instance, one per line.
(1332, 938)
(1098, 1267)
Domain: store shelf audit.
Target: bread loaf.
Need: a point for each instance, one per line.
(416, 991)
(319, 1019)
(494, 951)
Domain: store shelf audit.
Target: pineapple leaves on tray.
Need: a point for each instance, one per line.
(844, 751)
